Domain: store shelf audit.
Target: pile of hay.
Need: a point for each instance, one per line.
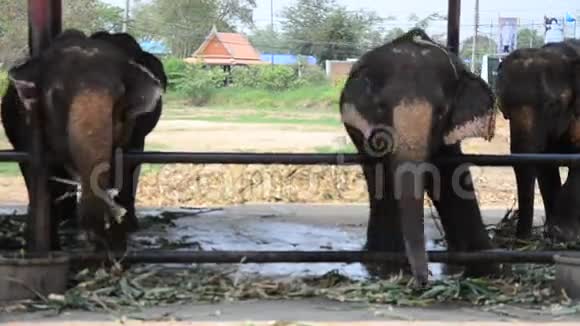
(217, 185)
(209, 185)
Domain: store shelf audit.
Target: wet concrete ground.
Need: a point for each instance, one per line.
(278, 227)
(289, 227)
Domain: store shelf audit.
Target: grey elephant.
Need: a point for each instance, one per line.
(92, 97)
(405, 103)
(539, 93)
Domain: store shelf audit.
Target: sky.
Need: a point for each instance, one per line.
(529, 11)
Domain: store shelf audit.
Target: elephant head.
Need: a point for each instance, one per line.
(538, 93)
(129, 45)
(403, 102)
(88, 93)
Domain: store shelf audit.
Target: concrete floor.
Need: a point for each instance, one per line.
(290, 227)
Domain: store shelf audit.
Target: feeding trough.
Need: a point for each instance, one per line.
(568, 274)
(26, 276)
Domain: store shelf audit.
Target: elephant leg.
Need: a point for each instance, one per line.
(525, 180)
(63, 203)
(565, 222)
(455, 200)
(384, 232)
(59, 210)
(550, 186)
(130, 181)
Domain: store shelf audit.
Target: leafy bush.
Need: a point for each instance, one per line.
(312, 75)
(199, 83)
(175, 69)
(321, 96)
(268, 77)
(3, 82)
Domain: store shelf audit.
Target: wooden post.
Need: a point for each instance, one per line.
(453, 19)
(44, 21)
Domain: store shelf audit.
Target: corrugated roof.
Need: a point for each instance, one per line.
(286, 59)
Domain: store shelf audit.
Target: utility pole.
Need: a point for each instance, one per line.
(127, 12)
(272, 28)
(474, 43)
(532, 30)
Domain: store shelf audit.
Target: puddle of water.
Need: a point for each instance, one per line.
(217, 232)
(196, 228)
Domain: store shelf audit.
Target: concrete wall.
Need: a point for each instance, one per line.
(337, 70)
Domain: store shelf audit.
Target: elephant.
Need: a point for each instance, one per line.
(93, 98)
(146, 122)
(539, 93)
(403, 104)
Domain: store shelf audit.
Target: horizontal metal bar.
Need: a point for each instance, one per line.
(341, 159)
(244, 158)
(320, 159)
(12, 156)
(512, 160)
(223, 257)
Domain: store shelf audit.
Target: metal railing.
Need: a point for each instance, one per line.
(45, 18)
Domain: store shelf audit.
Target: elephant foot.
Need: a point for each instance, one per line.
(482, 270)
(114, 240)
(131, 222)
(388, 269)
(564, 231)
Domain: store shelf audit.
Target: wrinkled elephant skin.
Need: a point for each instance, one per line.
(94, 97)
(404, 103)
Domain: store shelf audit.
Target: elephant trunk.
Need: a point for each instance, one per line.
(91, 141)
(409, 192)
(412, 121)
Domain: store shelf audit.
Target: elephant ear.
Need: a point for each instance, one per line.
(473, 110)
(143, 90)
(155, 66)
(24, 77)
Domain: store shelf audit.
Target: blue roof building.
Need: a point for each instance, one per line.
(285, 59)
(155, 47)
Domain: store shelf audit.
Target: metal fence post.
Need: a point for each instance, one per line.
(453, 19)
(44, 21)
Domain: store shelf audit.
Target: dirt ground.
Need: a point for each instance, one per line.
(495, 186)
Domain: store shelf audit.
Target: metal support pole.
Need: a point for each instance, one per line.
(340, 159)
(44, 20)
(453, 19)
(11, 156)
(234, 257)
(126, 15)
(475, 34)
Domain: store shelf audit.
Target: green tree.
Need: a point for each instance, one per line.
(529, 38)
(483, 46)
(267, 40)
(328, 31)
(424, 22)
(92, 15)
(86, 15)
(393, 34)
(184, 24)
